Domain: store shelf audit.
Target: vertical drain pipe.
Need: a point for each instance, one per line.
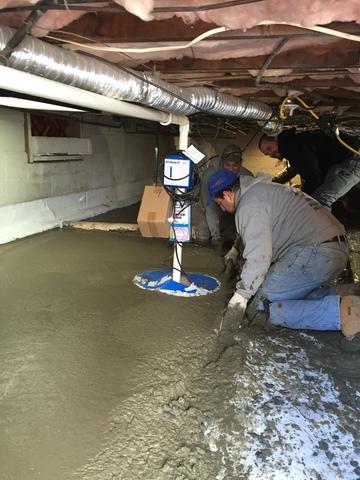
(183, 144)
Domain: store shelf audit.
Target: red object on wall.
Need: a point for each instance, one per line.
(43, 126)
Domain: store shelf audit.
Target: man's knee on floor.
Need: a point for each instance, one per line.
(265, 306)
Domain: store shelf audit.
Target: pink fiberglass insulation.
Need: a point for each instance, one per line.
(16, 3)
(305, 12)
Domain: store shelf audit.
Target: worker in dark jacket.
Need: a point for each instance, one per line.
(327, 168)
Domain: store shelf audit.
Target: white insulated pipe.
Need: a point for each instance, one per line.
(26, 83)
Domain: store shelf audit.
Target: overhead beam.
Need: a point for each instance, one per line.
(298, 83)
(340, 55)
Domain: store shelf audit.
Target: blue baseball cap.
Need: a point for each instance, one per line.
(219, 180)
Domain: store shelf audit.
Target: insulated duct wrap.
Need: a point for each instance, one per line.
(45, 60)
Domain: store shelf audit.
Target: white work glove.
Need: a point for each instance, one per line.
(232, 256)
(234, 312)
(238, 301)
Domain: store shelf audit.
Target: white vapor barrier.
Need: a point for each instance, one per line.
(23, 219)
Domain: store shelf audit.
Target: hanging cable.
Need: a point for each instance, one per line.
(282, 114)
(196, 40)
(24, 30)
(305, 106)
(146, 67)
(346, 145)
(257, 131)
(268, 61)
(316, 28)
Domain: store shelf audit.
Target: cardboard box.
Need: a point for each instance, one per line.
(155, 209)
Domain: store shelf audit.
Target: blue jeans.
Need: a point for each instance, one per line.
(293, 287)
(338, 181)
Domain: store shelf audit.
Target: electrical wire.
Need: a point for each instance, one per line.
(196, 40)
(257, 132)
(310, 110)
(316, 28)
(146, 67)
(74, 5)
(21, 33)
(282, 114)
(269, 60)
(346, 145)
(305, 106)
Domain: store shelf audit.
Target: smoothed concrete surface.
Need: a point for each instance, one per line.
(101, 380)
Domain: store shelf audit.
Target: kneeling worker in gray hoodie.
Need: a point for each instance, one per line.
(292, 247)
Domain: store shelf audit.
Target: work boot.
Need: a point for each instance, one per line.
(350, 322)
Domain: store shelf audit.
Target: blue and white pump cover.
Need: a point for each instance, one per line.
(161, 281)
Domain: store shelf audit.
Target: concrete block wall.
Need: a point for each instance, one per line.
(49, 193)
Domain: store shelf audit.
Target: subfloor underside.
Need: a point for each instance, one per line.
(101, 380)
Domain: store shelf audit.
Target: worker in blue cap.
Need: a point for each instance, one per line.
(292, 246)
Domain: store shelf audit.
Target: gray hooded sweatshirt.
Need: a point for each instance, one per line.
(271, 220)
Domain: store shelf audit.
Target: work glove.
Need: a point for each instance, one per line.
(217, 243)
(234, 312)
(232, 256)
(231, 264)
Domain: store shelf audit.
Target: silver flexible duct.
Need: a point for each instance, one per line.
(64, 66)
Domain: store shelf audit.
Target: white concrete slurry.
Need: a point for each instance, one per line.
(293, 423)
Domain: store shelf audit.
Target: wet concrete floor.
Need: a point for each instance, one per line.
(101, 380)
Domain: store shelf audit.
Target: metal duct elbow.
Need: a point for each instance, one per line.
(64, 66)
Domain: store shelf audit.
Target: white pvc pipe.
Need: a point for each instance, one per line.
(183, 144)
(26, 83)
